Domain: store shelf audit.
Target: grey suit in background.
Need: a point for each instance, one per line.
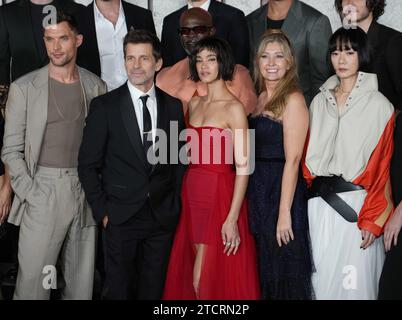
(49, 203)
(308, 31)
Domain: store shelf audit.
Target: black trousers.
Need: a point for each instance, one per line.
(390, 287)
(136, 258)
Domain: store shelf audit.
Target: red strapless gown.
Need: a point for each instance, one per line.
(206, 198)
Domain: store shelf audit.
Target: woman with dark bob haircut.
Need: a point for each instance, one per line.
(347, 169)
(386, 44)
(213, 255)
(224, 58)
(351, 39)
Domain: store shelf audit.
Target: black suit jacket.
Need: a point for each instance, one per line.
(230, 24)
(112, 162)
(88, 54)
(386, 61)
(396, 162)
(17, 40)
(1, 141)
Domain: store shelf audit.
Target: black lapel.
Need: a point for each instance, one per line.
(130, 21)
(92, 41)
(23, 17)
(131, 18)
(162, 122)
(373, 34)
(262, 17)
(212, 8)
(162, 117)
(130, 122)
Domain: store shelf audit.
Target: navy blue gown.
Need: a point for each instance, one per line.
(285, 273)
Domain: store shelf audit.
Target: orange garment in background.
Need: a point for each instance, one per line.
(175, 81)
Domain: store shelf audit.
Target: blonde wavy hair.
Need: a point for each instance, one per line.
(288, 84)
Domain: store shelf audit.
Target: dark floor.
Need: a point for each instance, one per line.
(6, 291)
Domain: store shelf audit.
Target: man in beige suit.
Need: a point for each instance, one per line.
(45, 114)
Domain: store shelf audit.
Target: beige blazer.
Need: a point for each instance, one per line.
(26, 114)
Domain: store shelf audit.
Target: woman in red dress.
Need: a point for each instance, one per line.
(213, 255)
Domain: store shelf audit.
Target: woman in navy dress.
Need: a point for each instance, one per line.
(277, 191)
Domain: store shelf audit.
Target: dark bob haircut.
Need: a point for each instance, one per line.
(355, 39)
(143, 36)
(223, 53)
(375, 6)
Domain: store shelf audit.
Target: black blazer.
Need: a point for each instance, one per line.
(229, 22)
(1, 141)
(88, 53)
(396, 162)
(386, 44)
(112, 162)
(17, 40)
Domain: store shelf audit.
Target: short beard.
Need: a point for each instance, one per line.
(62, 63)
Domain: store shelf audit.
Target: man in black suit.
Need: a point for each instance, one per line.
(386, 44)
(137, 201)
(228, 21)
(104, 23)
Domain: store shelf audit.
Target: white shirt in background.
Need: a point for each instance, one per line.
(205, 6)
(110, 43)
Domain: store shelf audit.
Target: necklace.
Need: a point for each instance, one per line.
(76, 117)
(338, 87)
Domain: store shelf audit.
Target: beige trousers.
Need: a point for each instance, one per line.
(51, 230)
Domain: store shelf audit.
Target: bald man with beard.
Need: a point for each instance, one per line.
(197, 24)
(229, 22)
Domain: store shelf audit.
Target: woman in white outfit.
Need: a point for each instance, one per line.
(347, 168)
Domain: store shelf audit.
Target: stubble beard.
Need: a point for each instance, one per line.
(61, 63)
